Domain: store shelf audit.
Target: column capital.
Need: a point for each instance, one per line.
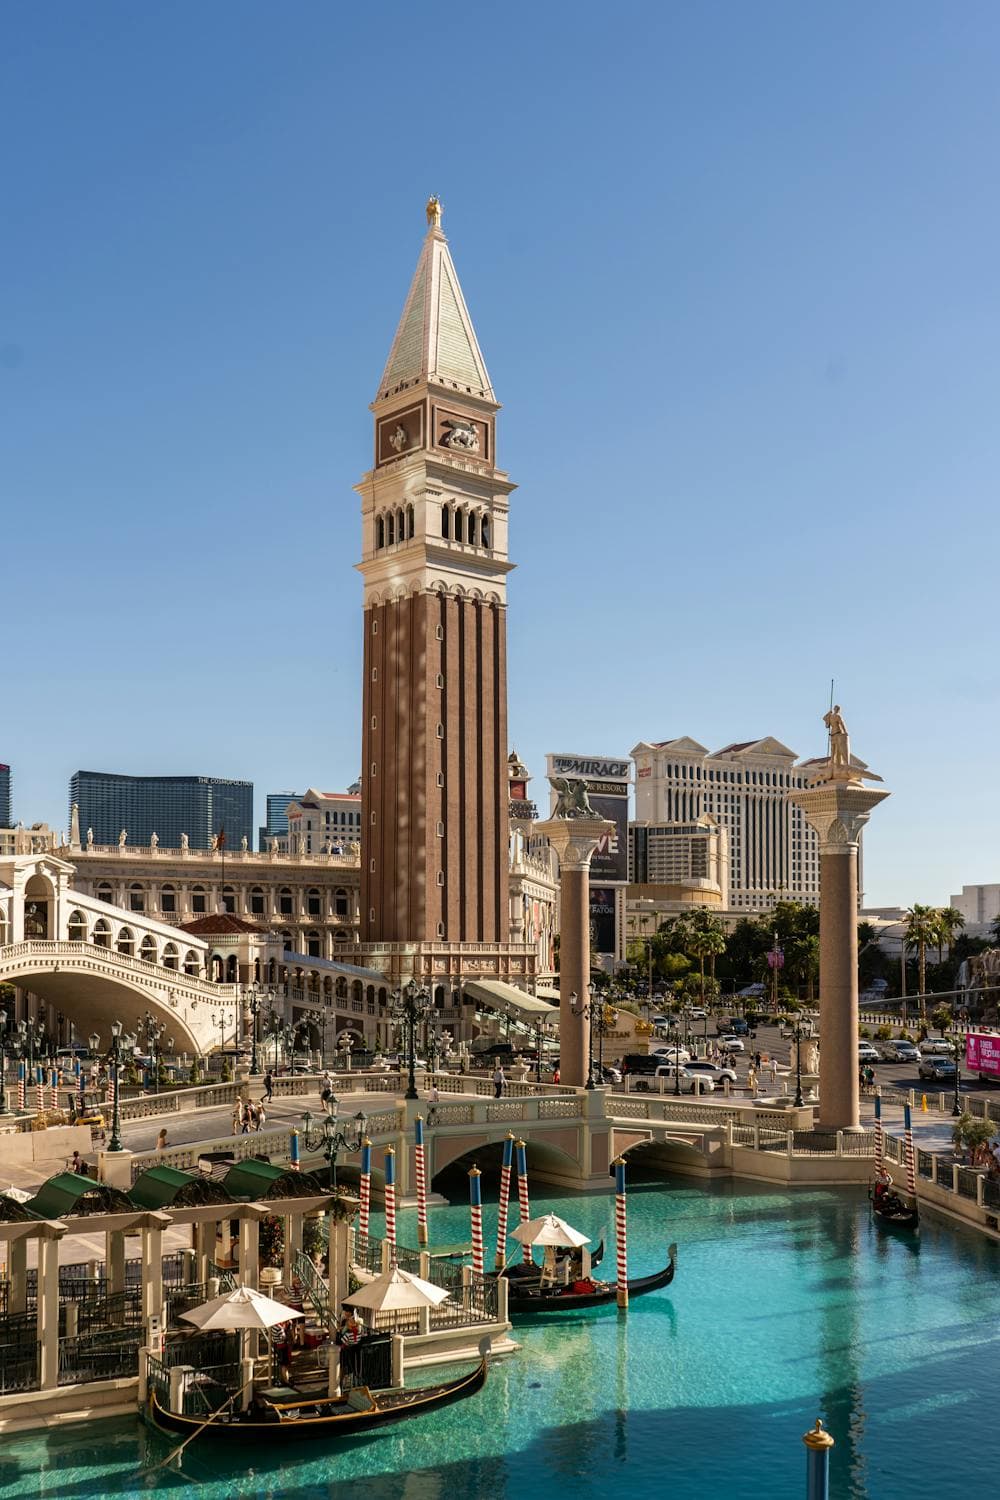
(838, 811)
(574, 839)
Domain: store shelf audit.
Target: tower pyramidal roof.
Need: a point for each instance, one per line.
(435, 341)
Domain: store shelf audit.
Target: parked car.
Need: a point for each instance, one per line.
(640, 1062)
(690, 1083)
(661, 1020)
(670, 1054)
(697, 1014)
(718, 1072)
(937, 1047)
(868, 1053)
(936, 1067)
(904, 1052)
(730, 1044)
(612, 1075)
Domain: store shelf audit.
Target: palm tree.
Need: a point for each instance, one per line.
(705, 939)
(921, 932)
(950, 923)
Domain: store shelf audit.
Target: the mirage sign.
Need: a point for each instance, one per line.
(607, 779)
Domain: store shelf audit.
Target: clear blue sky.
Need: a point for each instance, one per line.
(734, 268)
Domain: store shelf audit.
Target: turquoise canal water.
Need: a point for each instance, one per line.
(785, 1306)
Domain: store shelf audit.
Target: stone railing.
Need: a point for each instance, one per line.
(233, 857)
(701, 1111)
(94, 957)
(270, 1143)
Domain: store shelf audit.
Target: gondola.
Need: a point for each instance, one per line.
(526, 1270)
(889, 1208)
(328, 1419)
(536, 1300)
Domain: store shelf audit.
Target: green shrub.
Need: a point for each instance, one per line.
(883, 1033)
(865, 1032)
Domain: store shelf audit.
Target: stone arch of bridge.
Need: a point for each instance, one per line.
(91, 1001)
(484, 1149)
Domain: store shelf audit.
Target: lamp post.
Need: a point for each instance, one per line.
(95, 1043)
(330, 1139)
(257, 994)
(409, 1007)
(114, 1055)
(4, 1019)
(586, 1011)
(539, 1028)
(220, 1021)
(603, 1019)
(956, 1107)
(799, 1101)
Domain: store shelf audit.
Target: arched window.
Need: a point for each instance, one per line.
(341, 988)
(401, 525)
(199, 900)
(286, 942)
(472, 527)
(147, 949)
(314, 902)
(313, 944)
(105, 893)
(340, 906)
(191, 964)
(445, 522)
(409, 521)
(390, 529)
(136, 898)
(439, 996)
(169, 959)
(102, 933)
(380, 532)
(459, 532)
(256, 902)
(126, 942)
(340, 936)
(77, 927)
(232, 969)
(484, 531)
(285, 906)
(168, 898)
(229, 900)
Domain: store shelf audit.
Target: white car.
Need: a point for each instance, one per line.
(937, 1047)
(903, 1052)
(672, 1054)
(717, 1072)
(730, 1044)
(691, 1083)
(868, 1054)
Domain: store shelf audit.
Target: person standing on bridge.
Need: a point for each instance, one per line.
(268, 1086)
(499, 1081)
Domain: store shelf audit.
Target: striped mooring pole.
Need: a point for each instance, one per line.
(39, 1088)
(500, 1259)
(293, 1151)
(22, 1087)
(878, 1130)
(390, 1201)
(522, 1192)
(53, 1088)
(908, 1154)
(420, 1162)
(364, 1213)
(818, 1444)
(621, 1236)
(476, 1210)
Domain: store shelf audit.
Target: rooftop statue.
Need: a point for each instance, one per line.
(840, 745)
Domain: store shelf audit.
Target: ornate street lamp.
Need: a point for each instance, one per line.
(799, 1101)
(586, 1011)
(330, 1139)
(257, 994)
(114, 1056)
(4, 1019)
(95, 1043)
(956, 1107)
(410, 1005)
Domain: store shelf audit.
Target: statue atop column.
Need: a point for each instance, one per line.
(840, 744)
(90, 838)
(572, 799)
(184, 841)
(154, 840)
(123, 838)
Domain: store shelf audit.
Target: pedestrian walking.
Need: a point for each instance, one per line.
(260, 1115)
(774, 1070)
(499, 1081)
(78, 1164)
(161, 1140)
(268, 1085)
(756, 1062)
(238, 1117)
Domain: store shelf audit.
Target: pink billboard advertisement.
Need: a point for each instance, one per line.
(982, 1053)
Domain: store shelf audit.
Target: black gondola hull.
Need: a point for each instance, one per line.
(543, 1302)
(332, 1427)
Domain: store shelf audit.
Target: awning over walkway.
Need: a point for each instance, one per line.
(333, 966)
(510, 1000)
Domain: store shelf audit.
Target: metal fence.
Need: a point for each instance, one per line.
(19, 1366)
(102, 1356)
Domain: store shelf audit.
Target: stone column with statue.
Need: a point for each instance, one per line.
(574, 831)
(838, 805)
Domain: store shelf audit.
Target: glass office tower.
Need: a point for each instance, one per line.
(277, 817)
(200, 806)
(6, 816)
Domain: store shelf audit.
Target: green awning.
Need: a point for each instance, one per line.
(168, 1187)
(252, 1181)
(68, 1193)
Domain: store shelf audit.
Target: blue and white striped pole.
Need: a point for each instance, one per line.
(293, 1152)
(818, 1444)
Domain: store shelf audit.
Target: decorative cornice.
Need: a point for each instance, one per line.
(838, 811)
(574, 839)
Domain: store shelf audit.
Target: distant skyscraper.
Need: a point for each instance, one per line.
(6, 816)
(277, 817)
(165, 805)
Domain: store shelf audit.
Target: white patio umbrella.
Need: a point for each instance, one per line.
(549, 1230)
(397, 1291)
(244, 1308)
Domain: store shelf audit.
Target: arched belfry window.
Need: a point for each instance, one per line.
(380, 532)
(459, 532)
(484, 531)
(472, 527)
(409, 522)
(390, 529)
(445, 522)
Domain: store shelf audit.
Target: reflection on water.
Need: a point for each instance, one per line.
(785, 1306)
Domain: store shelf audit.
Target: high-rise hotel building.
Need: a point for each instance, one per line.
(773, 852)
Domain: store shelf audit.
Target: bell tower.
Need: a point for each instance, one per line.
(434, 511)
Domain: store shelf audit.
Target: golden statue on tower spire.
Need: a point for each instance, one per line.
(434, 212)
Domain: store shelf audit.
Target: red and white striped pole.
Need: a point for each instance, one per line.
(476, 1209)
(364, 1213)
(420, 1163)
(522, 1192)
(621, 1236)
(390, 1201)
(500, 1258)
(39, 1089)
(22, 1087)
(908, 1154)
